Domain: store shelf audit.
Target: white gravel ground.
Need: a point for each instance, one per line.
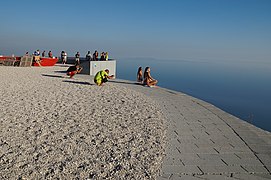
(53, 127)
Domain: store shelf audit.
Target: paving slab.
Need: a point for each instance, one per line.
(181, 169)
(205, 142)
(221, 145)
(252, 176)
(179, 177)
(254, 169)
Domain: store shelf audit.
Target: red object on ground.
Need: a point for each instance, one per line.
(72, 73)
(45, 61)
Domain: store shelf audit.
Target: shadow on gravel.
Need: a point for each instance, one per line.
(60, 72)
(50, 75)
(123, 82)
(63, 65)
(79, 82)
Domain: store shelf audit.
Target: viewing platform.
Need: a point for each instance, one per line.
(92, 67)
(130, 129)
(204, 142)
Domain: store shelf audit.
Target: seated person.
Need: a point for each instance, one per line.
(72, 70)
(102, 77)
(139, 75)
(148, 79)
(37, 60)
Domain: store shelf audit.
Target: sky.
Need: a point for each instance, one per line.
(164, 29)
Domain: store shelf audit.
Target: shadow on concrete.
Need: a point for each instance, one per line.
(79, 82)
(55, 76)
(125, 82)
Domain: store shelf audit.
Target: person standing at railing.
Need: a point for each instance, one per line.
(63, 57)
(88, 56)
(95, 56)
(77, 58)
(37, 53)
(106, 56)
(102, 57)
(50, 54)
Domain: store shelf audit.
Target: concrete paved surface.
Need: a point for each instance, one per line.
(205, 142)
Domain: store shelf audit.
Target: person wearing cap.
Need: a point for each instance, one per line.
(102, 77)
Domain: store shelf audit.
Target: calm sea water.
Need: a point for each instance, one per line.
(239, 88)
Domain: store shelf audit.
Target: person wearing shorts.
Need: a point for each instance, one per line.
(72, 70)
(77, 58)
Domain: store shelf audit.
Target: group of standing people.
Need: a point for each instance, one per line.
(37, 53)
(89, 57)
(146, 78)
(95, 56)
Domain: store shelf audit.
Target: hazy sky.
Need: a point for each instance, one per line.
(172, 29)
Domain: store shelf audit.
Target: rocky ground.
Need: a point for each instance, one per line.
(53, 127)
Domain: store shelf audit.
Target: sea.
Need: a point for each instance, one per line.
(241, 88)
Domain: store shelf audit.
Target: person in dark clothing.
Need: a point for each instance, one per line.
(88, 56)
(139, 75)
(95, 56)
(50, 54)
(72, 70)
(77, 58)
(102, 57)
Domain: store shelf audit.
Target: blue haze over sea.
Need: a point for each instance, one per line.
(241, 88)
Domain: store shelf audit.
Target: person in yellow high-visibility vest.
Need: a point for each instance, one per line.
(102, 77)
